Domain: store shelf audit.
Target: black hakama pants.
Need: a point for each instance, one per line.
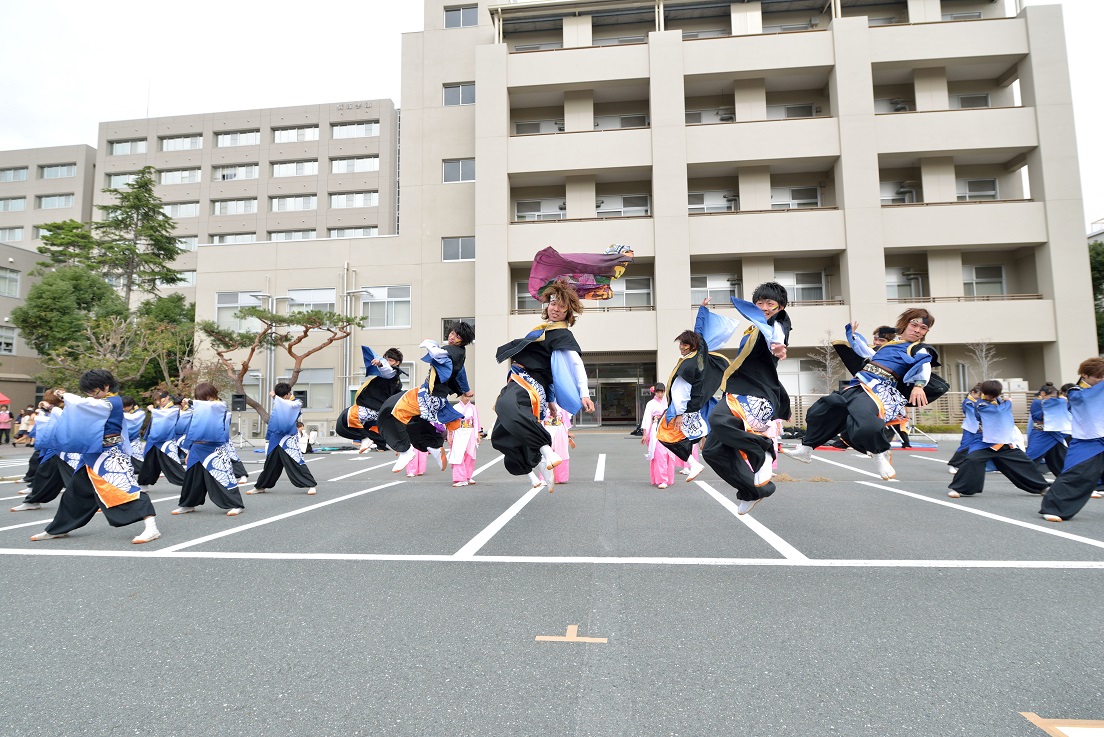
(239, 468)
(417, 432)
(1073, 489)
(200, 484)
(278, 461)
(157, 462)
(32, 467)
(1012, 462)
(79, 504)
(50, 480)
(1055, 459)
(728, 450)
(517, 434)
(850, 413)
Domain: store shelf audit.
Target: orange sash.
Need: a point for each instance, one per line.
(407, 407)
(109, 494)
(534, 397)
(668, 433)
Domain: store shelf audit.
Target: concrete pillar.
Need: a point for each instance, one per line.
(945, 273)
(754, 187)
(930, 88)
(579, 110)
(750, 99)
(747, 18)
(577, 31)
(580, 197)
(754, 270)
(924, 11)
(937, 176)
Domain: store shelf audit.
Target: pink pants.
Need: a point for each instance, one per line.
(561, 472)
(463, 471)
(662, 466)
(417, 465)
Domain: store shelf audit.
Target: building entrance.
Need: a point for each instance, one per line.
(616, 389)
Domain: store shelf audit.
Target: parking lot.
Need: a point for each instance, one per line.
(843, 604)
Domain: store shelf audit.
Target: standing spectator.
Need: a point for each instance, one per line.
(5, 424)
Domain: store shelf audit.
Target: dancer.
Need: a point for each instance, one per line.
(859, 412)
(1048, 428)
(464, 441)
(55, 468)
(546, 370)
(694, 380)
(1001, 442)
(661, 467)
(406, 420)
(739, 447)
(283, 445)
(417, 465)
(162, 452)
(1084, 465)
(970, 429)
(382, 379)
(558, 424)
(210, 468)
(104, 479)
(134, 418)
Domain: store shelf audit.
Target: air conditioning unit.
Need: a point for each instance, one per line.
(728, 118)
(559, 125)
(563, 205)
(729, 197)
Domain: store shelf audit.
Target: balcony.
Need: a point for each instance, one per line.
(618, 330)
(617, 148)
(764, 141)
(1007, 319)
(805, 230)
(1004, 40)
(768, 52)
(577, 65)
(962, 224)
(584, 234)
(1006, 131)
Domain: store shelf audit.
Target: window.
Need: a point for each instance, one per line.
(189, 278)
(238, 138)
(973, 190)
(447, 323)
(9, 283)
(55, 201)
(180, 176)
(122, 148)
(319, 385)
(882, 21)
(720, 288)
(115, 181)
(228, 303)
(711, 33)
(11, 234)
(188, 242)
(226, 239)
(983, 281)
(181, 209)
(898, 193)
(902, 283)
(350, 166)
(548, 209)
(522, 299)
(291, 235)
(39, 232)
(715, 201)
(295, 168)
(539, 47)
(612, 122)
(353, 232)
(962, 16)
(618, 40)
(294, 204)
(458, 249)
(802, 285)
(462, 17)
(793, 198)
(893, 105)
(785, 112)
(181, 143)
(233, 207)
(18, 174)
(527, 128)
(354, 199)
(693, 117)
(462, 93)
(7, 341)
(964, 102)
(13, 204)
(459, 170)
(304, 300)
(386, 307)
(57, 171)
(294, 135)
(633, 291)
(355, 130)
(624, 206)
(788, 27)
(231, 173)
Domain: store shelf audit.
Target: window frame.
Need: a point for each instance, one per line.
(8, 335)
(235, 142)
(461, 164)
(461, 89)
(460, 242)
(388, 301)
(466, 16)
(9, 276)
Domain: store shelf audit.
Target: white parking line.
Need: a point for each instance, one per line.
(45, 522)
(492, 529)
(928, 458)
(789, 552)
(600, 471)
(989, 515)
(251, 525)
(844, 465)
(363, 470)
(485, 466)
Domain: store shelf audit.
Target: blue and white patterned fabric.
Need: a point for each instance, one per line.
(290, 444)
(694, 425)
(758, 413)
(891, 398)
(162, 425)
(997, 425)
(113, 466)
(436, 409)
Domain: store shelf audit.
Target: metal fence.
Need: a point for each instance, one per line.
(947, 410)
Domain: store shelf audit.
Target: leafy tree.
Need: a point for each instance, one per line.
(173, 318)
(290, 333)
(132, 245)
(60, 307)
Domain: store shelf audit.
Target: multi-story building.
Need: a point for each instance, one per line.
(18, 361)
(274, 175)
(43, 185)
(869, 157)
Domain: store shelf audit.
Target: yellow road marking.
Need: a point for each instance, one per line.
(571, 636)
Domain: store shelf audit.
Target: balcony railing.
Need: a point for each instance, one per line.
(960, 202)
(964, 298)
(588, 307)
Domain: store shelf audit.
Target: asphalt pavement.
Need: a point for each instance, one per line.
(842, 605)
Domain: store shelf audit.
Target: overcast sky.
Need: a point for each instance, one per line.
(86, 62)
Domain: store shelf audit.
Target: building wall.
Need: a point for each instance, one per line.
(35, 162)
(17, 368)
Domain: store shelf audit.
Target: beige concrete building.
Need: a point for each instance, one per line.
(280, 174)
(869, 156)
(43, 185)
(18, 361)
